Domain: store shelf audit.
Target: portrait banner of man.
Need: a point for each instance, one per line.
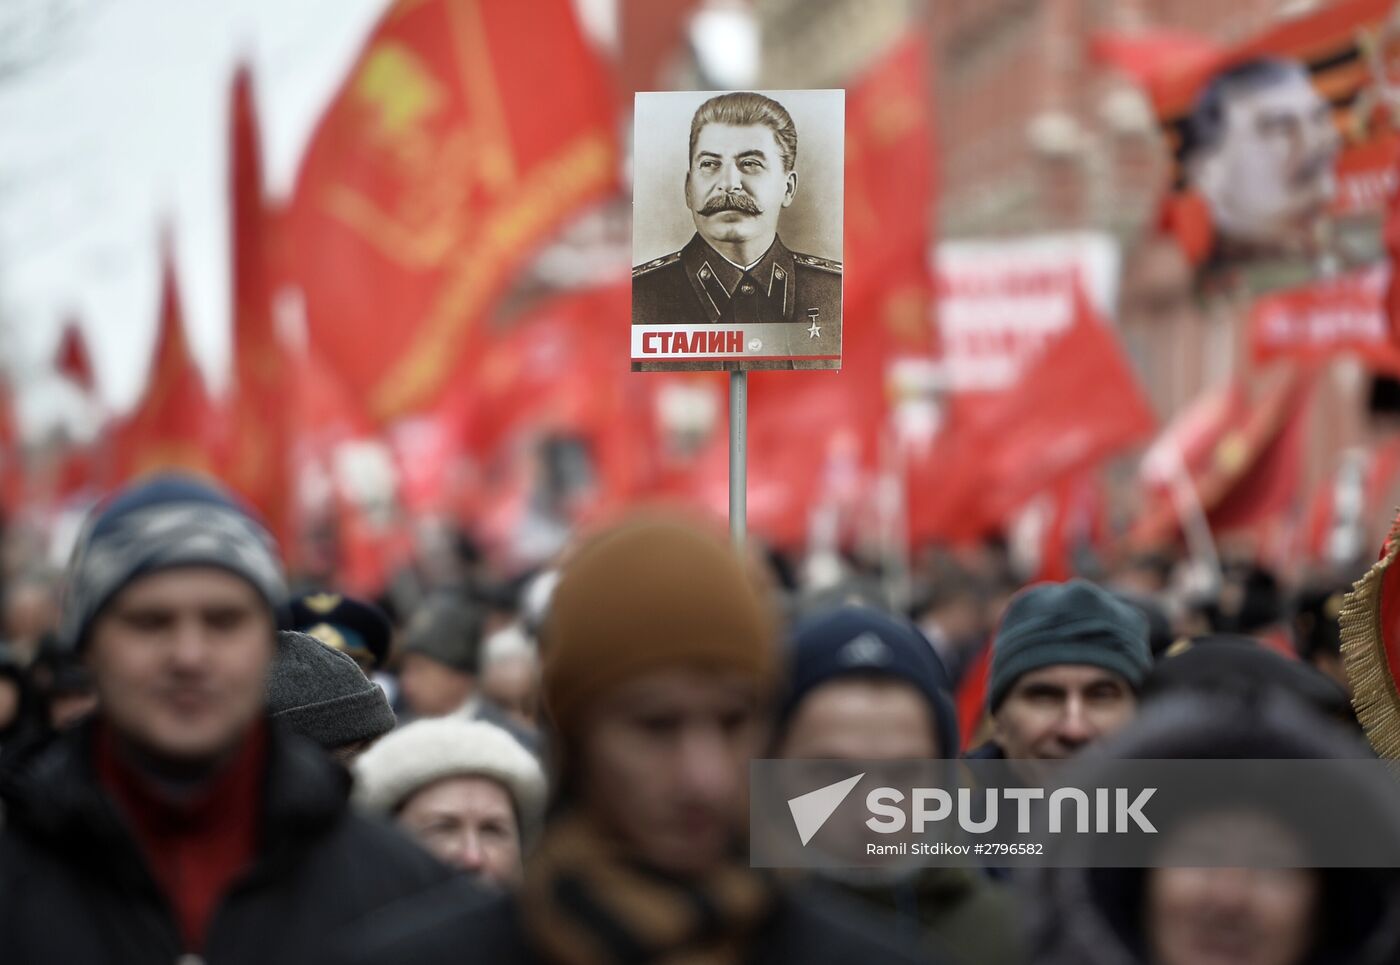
(1284, 147)
(737, 230)
(1262, 150)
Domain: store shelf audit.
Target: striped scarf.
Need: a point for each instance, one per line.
(584, 903)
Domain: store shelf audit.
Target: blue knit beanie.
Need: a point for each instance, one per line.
(165, 522)
(1067, 623)
(862, 640)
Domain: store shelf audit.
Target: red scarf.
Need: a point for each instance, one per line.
(196, 846)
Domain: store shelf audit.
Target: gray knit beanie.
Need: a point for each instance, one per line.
(165, 522)
(447, 630)
(1067, 623)
(323, 694)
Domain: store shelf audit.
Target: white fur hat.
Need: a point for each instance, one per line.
(407, 760)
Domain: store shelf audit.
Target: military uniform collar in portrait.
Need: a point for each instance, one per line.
(779, 287)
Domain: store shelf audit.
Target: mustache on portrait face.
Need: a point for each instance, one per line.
(735, 200)
(1312, 168)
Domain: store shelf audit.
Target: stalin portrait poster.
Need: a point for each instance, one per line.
(736, 230)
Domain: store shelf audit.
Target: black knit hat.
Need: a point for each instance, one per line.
(1317, 629)
(323, 694)
(1228, 664)
(853, 640)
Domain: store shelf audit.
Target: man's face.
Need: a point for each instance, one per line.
(736, 186)
(180, 659)
(432, 688)
(664, 764)
(467, 823)
(1052, 713)
(861, 719)
(858, 719)
(1272, 176)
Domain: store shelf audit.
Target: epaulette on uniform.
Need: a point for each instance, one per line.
(656, 263)
(825, 264)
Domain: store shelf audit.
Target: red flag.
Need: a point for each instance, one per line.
(1000, 305)
(258, 460)
(889, 129)
(1314, 322)
(971, 697)
(1077, 404)
(1273, 482)
(1243, 457)
(174, 425)
(555, 373)
(1155, 59)
(323, 411)
(465, 133)
(888, 287)
(11, 457)
(552, 369)
(1391, 237)
(1348, 500)
(369, 552)
(1068, 519)
(72, 359)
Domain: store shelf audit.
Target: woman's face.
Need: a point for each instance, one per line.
(1233, 916)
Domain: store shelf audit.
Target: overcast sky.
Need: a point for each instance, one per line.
(116, 117)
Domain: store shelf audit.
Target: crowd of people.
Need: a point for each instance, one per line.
(200, 761)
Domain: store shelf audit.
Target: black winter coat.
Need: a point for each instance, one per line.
(810, 927)
(74, 887)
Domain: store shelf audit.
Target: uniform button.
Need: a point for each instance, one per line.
(747, 289)
(704, 273)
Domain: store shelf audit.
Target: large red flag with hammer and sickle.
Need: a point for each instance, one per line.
(466, 132)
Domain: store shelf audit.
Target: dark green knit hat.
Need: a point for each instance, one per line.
(1067, 623)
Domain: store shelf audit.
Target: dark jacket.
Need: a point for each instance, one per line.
(810, 927)
(990, 751)
(26, 726)
(74, 886)
(958, 913)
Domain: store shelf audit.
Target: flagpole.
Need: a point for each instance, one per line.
(1200, 542)
(738, 455)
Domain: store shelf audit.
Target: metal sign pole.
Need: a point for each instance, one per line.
(738, 455)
